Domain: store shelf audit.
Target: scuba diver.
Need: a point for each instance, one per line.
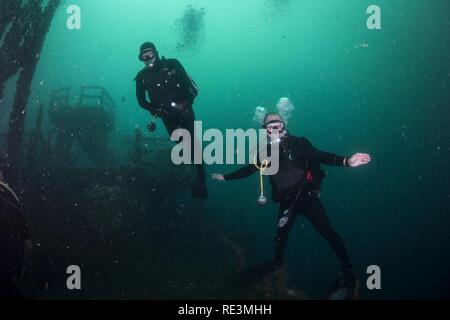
(15, 245)
(172, 92)
(296, 187)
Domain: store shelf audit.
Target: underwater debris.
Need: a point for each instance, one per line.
(190, 29)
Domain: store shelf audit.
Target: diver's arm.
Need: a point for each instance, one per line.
(326, 158)
(241, 173)
(141, 95)
(187, 84)
(332, 159)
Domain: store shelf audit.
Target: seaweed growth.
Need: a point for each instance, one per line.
(190, 29)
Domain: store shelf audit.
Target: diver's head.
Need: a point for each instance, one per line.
(148, 54)
(273, 122)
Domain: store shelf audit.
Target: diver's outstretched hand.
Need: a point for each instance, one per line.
(359, 159)
(218, 176)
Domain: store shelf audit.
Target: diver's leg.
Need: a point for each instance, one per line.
(186, 122)
(170, 125)
(199, 189)
(256, 272)
(189, 124)
(315, 212)
(285, 223)
(345, 286)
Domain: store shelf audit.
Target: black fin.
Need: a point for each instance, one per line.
(253, 274)
(344, 287)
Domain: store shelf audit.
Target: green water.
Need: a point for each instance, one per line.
(385, 92)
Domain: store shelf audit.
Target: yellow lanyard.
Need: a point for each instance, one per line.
(261, 168)
(6, 187)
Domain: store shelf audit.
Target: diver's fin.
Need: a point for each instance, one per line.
(344, 288)
(253, 274)
(199, 191)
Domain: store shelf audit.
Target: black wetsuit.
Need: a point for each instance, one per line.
(296, 187)
(167, 83)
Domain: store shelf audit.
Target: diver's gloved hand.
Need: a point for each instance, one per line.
(199, 190)
(218, 176)
(359, 159)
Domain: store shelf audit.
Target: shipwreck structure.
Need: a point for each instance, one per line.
(87, 123)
